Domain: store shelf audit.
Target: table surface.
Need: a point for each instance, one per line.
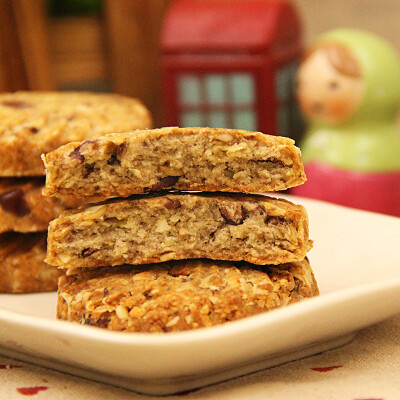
(366, 369)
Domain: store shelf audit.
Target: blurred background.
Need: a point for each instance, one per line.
(114, 45)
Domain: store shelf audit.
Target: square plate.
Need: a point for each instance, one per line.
(357, 267)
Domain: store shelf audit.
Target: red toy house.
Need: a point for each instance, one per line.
(231, 64)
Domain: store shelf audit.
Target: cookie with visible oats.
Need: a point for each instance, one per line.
(24, 209)
(180, 295)
(173, 226)
(200, 159)
(32, 123)
(22, 266)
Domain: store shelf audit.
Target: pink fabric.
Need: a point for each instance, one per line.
(379, 192)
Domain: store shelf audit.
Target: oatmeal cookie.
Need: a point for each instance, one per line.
(180, 295)
(174, 226)
(24, 209)
(22, 266)
(32, 123)
(201, 159)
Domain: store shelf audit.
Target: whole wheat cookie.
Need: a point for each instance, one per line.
(24, 209)
(175, 226)
(22, 266)
(180, 295)
(201, 159)
(32, 123)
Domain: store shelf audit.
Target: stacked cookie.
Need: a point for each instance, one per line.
(33, 123)
(158, 257)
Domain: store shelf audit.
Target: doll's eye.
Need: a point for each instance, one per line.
(333, 85)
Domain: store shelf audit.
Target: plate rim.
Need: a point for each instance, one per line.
(210, 333)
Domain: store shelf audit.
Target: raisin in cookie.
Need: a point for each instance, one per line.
(24, 209)
(180, 295)
(32, 123)
(201, 159)
(174, 226)
(22, 266)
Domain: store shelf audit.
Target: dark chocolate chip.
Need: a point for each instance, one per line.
(87, 320)
(76, 155)
(274, 220)
(34, 130)
(121, 149)
(172, 204)
(296, 285)
(163, 183)
(106, 292)
(261, 208)
(276, 162)
(234, 215)
(100, 323)
(14, 202)
(147, 294)
(87, 252)
(166, 182)
(16, 104)
(87, 170)
(280, 245)
(115, 153)
(113, 160)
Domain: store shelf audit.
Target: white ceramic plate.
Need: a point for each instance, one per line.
(357, 265)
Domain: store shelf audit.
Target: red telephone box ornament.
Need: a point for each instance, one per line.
(231, 64)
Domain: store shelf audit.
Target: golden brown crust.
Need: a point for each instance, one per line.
(182, 295)
(32, 123)
(202, 159)
(22, 266)
(24, 209)
(176, 226)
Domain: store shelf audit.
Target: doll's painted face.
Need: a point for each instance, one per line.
(330, 85)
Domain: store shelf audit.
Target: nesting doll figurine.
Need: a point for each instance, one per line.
(349, 91)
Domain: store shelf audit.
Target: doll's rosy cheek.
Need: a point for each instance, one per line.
(344, 99)
(339, 108)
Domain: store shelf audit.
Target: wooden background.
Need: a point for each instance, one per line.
(119, 51)
(379, 16)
